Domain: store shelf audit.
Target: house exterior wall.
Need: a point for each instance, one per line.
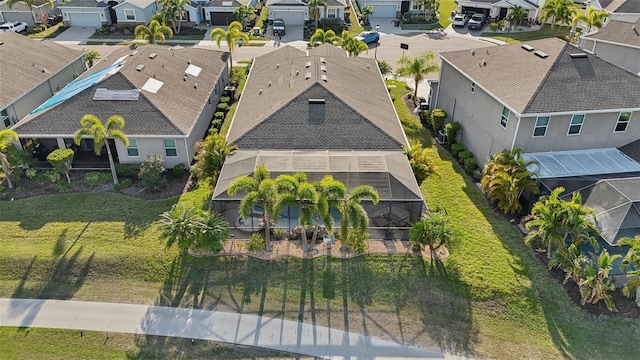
(13, 15)
(339, 12)
(597, 132)
(626, 17)
(625, 57)
(478, 113)
(104, 13)
(153, 145)
(141, 16)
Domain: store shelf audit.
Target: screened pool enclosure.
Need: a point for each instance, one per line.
(400, 204)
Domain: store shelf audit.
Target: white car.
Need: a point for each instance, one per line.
(460, 20)
(16, 26)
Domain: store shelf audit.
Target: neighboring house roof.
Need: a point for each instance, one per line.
(331, 3)
(84, 3)
(632, 150)
(465, 2)
(140, 4)
(628, 6)
(280, 100)
(286, 3)
(605, 3)
(620, 32)
(556, 83)
(227, 3)
(22, 61)
(172, 110)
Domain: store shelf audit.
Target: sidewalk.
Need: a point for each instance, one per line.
(277, 334)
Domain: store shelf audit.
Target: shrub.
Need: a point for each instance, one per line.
(151, 172)
(452, 130)
(470, 164)
(335, 24)
(217, 124)
(356, 241)
(425, 118)
(438, 117)
(52, 176)
(279, 234)
(127, 170)
(61, 160)
(225, 99)
(122, 185)
(456, 149)
(63, 185)
(222, 107)
(218, 115)
(20, 189)
(493, 26)
(31, 173)
(465, 154)
(97, 178)
(179, 170)
(256, 242)
(421, 162)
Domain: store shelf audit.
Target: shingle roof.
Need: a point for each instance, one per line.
(557, 83)
(619, 32)
(357, 112)
(174, 109)
(84, 3)
(336, 2)
(142, 4)
(234, 3)
(629, 6)
(632, 150)
(22, 61)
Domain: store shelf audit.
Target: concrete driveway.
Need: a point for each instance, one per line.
(75, 34)
(293, 33)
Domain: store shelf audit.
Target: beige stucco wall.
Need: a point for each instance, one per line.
(148, 145)
(625, 57)
(478, 113)
(596, 132)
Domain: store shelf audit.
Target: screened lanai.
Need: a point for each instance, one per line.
(400, 204)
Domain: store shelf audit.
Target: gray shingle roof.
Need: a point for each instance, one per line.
(619, 32)
(358, 110)
(632, 150)
(234, 3)
(177, 101)
(557, 83)
(20, 74)
(629, 6)
(84, 3)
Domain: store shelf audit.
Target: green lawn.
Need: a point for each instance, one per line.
(491, 298)
(445, 9)
(519, 36)
(49, 33)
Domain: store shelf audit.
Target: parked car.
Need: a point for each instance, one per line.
(369, 37)
(17, 26)
(460, 20)
(478, 21)
(278, 27)
(53, 19)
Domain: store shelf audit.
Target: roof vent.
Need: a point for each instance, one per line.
(483, 63)
(473, 52)
(316, 101)
(1, 42)
(323, 68)
(189, 61)
(277, 66)
(184, 78)
(269, 84)
(297, 72)
(195, 86)
(324, 78)
(541, 54)
(307, 76)
(259, 91)
(140, 67)
(152, 55)
(323, 60)
(527, 47)
(578, 55)
(368, 66)
(307, 64)
(44, 70)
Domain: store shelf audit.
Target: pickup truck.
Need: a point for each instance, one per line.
(16, 26)
(278, 27)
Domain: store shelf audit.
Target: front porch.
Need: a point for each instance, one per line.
(84, 156)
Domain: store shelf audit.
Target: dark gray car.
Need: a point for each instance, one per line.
(477, 21)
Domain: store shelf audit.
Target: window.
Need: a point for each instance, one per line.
(331, 13)
(170, 148)
(416, 5)
(130, 14)
(473, 88)
(623, 122)
(540, 130)
(5, 117)
(576, 124)
(505, 117)
(132, 149)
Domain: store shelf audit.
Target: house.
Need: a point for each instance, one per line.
(220, 12)
(307, 112)
(195, 12)
(618, 42)
(41, 69)
(296, 12)
(622, 10)
(543, 95)
(91, 13)
(388, 8)
(20, 11)
(499, 9)
(167, 96)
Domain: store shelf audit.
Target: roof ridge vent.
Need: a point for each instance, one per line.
(578, 55)
(307, 64)
(140, 67)
(316, 101)
(307, 76)
(527, 47)
(541, 54)
(324, 78)
(152, 55)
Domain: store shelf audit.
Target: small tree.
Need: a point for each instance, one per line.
(631, 263)
(155, 31)
(244, 14)
(438, 117)
(323, 37)
(61, 160)
(420, 160)
(385, 68)
(190, 227)
(595, 283)
(418, 67)
(366, 12)
(152, 172)
(433, 230)
(7, 137)
(452, 130)
(210, 156)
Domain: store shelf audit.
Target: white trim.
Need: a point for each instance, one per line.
(627, 122)
(610, 42)
(53, 136)
(535, 126)
(603, 111)
(126, 18)
(126, 148)
(506, 123)
(175, 147)
(584, 116)
(515, 134)
(186, 152)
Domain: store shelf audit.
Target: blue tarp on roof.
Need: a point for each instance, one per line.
(75, 87)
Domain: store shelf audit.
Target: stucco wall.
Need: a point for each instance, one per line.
(625, 57)
(140, 14)
(148, 145)
(104, 13)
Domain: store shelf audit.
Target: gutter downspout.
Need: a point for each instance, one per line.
(513, 143)
(186, 148)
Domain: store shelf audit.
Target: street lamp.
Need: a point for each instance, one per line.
(375, 53)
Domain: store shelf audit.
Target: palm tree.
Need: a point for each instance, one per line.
(179, 11)
(354, 47)
(30, 4)
(91, 57)
(507, 187)
(352, 212)
(330, 191)
(557, 11)
(417, 68)
(260, 190)
(213, 232)
(179, 226)
(593, 18)
(323, 37)
(433, 230)
(93, 127)
(631, 261)
(210, 156)
(366, 11)
(547, 221)
(577, 224)
(517, 15)
(233, 34)
(595, 283)
(571, 261)
(244, 13)
(296, 190)
(314, 9)
(153, 32)
(7, 137)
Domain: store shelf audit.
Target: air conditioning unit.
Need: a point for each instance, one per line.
(442, 137)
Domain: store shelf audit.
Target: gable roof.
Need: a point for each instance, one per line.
(223, 3)
(172, 110)
(620, 32)
(286, 3)
(140, 4)
(84, 3)
(623, 6)
(21, 74)
(556, 83)
(632, 150)
(279, 87)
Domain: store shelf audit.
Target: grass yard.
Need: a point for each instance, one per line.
(520, 36)
(444, 10)
(490, 299)
(49, 33)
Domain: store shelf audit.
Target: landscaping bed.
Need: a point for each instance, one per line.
(114, 32)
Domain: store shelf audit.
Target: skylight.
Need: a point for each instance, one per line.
(121, 95)
(227, 3)
(152, 85)
(193, 70)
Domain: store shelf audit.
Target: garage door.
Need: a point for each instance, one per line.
(472, 10)
(85, 20)
(222, 18)
(290, 17)
(384, 11)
